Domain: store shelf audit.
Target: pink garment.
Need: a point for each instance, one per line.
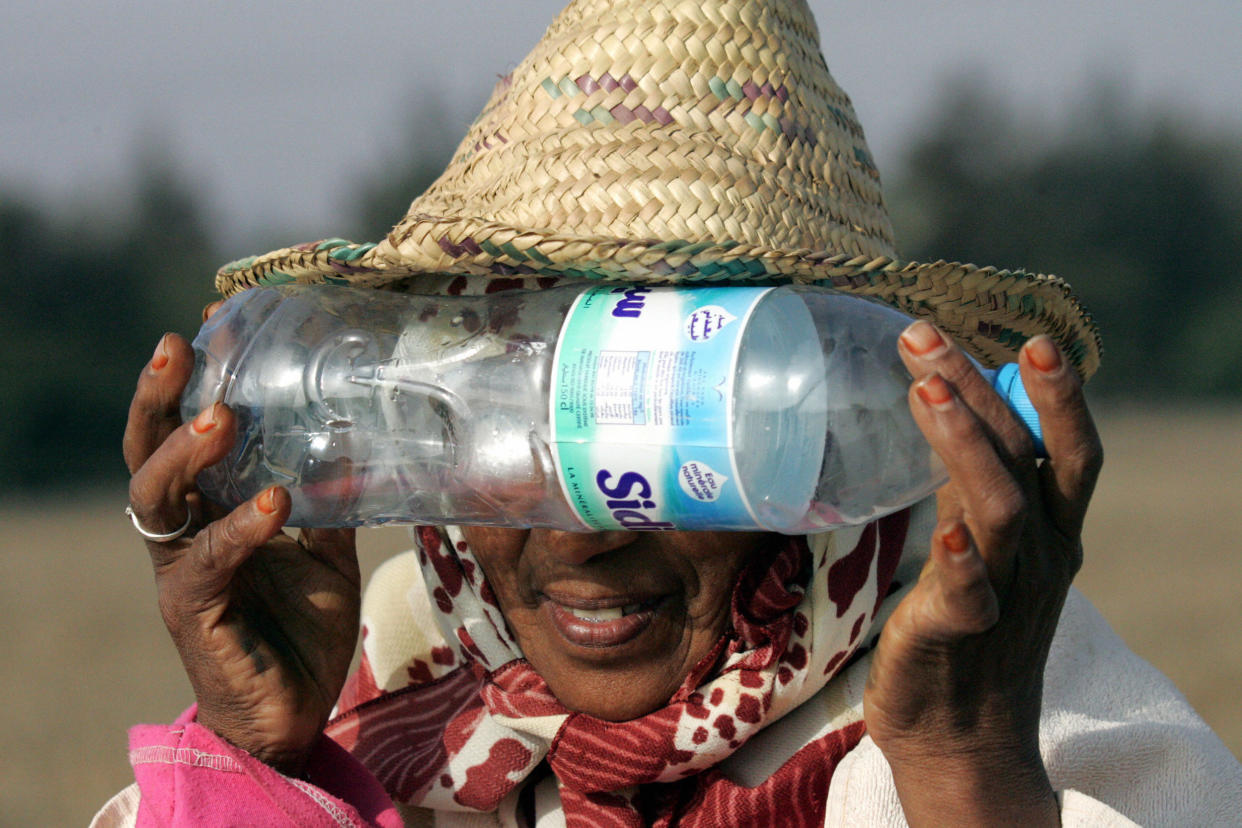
(189, 776)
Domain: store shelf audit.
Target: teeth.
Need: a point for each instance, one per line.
(605, 613)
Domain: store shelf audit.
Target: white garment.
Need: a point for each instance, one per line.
(1121, 744)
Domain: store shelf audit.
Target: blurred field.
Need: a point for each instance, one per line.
(86, 656)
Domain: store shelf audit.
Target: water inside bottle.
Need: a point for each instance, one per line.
(780, 411)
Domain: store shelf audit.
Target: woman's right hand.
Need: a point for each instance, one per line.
(265, 624)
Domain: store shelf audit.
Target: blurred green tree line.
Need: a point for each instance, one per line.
(84, 295)
(1140, 213)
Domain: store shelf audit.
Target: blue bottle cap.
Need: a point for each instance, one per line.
(1007, 381)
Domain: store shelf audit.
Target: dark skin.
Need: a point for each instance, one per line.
(266, 624)
(954, 692)
(687, 577)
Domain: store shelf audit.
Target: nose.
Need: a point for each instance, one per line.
(579, 547)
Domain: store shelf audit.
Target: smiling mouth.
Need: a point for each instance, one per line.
(601, 627)
(602, 614)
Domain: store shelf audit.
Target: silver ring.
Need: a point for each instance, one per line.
(155, 536)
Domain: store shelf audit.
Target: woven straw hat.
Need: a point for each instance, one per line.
(680, 141)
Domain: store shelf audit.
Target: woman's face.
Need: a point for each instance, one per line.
(613, 621)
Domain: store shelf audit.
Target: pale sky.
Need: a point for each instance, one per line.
(274, 107)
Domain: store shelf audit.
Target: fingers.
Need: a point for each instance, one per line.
(207, 568)
(925, 350)
(333, 547)
(158, 489)
(996, 486)
(1075, 454)
(984, 490)
(989, 454)
(327, 539)
(155, 410)
(956, 595)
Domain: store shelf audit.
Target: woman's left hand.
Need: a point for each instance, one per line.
(954, 694)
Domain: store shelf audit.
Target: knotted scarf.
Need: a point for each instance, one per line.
(467, 725)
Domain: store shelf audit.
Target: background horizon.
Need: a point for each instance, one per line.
(274, 109)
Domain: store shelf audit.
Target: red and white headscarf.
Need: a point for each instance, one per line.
(447, 713)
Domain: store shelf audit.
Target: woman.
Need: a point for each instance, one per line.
(631, 678)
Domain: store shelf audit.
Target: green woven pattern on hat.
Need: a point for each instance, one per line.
(490, 249)
(726, 89)
(1011, 339)
(844, 121)
(695, 248)
(349, 254)
(551, 88)
(513, 252)
(586, 272)
(341, 250)
(238, 265)
(864, 158)
(537, 254)
(275, 277)
(735, 268)
(762, 122)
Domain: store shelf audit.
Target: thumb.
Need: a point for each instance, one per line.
(335, 548)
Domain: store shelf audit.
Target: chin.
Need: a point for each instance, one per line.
(612, 698)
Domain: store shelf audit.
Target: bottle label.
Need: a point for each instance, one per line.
(641, 407)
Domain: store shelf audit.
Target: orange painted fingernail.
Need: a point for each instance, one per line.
(1043, 354)
(160, 358)
(210, 308)
(922, 338)
(205, 421)
(934, 391)
(956, 539)
(267, 501)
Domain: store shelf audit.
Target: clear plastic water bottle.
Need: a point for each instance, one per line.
(578, 408)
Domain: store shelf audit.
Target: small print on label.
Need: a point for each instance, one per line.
(700, 481)
(706, 322)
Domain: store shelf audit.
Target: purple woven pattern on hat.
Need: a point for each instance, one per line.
(714, 121)
(723, 88)
(676, 140)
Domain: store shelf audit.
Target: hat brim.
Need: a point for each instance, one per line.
(990, 312)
